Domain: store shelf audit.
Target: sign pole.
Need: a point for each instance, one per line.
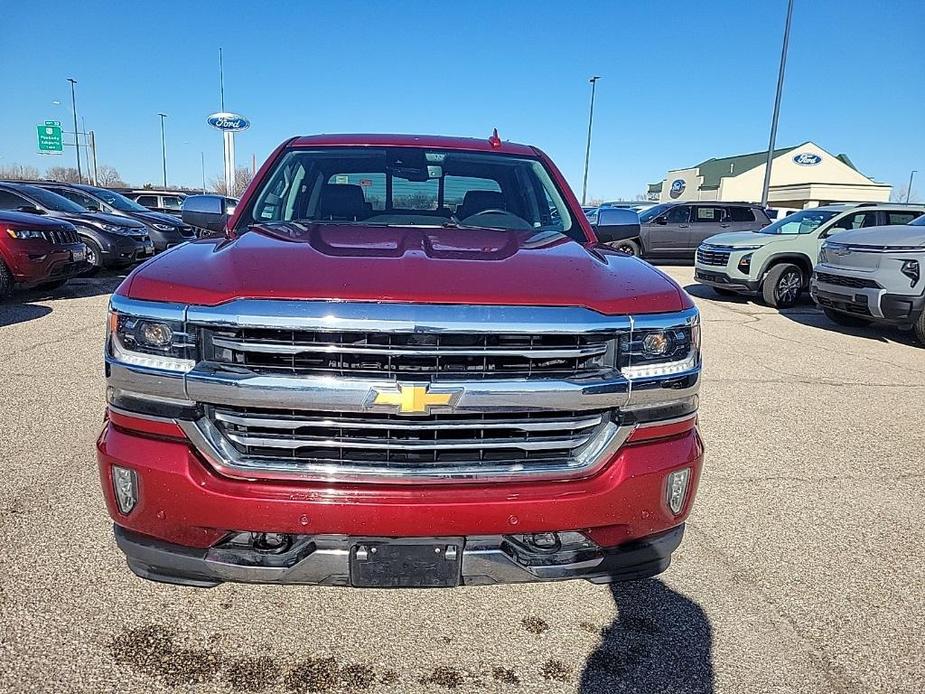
(780, 87)
(76, 136)
(229, 162)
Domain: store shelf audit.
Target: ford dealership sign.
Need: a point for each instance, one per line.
(807, 159)
(228, 122)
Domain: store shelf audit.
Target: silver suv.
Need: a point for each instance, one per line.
(874, 276)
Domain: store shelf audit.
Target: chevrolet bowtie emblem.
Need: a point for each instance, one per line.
(412, 399)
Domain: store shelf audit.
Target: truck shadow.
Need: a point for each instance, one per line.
(660, 642)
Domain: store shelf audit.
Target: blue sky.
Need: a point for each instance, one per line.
(682, 81)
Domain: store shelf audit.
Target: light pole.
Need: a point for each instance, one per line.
(584, 183)
(909, 189)
(163, 147)
(80, 178)
(780, 87)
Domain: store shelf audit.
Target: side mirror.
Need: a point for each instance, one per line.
(29, 209)
(206, 212)
(616, 224)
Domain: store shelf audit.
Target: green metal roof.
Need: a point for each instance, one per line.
(714, 169)
(655, 187)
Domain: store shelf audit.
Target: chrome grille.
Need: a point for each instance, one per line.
(708, 255)
(437, 355)
(452, 444)
(841, 281)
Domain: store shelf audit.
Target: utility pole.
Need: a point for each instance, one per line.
(909, 189)
(76, 136)
(584, 183)
(163, 147)
(780, 87)
(202, 164)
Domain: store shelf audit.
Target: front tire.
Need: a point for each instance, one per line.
(919, 329)
(782, 285)
(6, 281)
(94, 257)
(627, 247)
(844, 319)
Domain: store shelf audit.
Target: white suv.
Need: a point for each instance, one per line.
(777, 261)
(874, 275)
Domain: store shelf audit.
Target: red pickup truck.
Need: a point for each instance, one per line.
(408, 362)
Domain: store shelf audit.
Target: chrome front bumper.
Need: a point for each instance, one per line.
(325, 560)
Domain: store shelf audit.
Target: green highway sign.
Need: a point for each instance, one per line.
(50, 139)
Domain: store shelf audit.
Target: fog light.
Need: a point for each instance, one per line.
(910, 269)
(125, 485)
(677, 489)
(745, 264)
(155, 334)
(545, 540)
(656, 344)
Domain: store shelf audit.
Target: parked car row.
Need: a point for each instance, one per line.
(861, 263)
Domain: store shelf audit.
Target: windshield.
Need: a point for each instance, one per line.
(652, 213)
(53, 201)
(119, 202)
(802, 222)
(918, 221)
(405, 186)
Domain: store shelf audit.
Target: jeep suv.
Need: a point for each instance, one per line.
(777, 261)
(111, 241)
(874, 275)
(37, 251)
(674, 230)
(408, 363)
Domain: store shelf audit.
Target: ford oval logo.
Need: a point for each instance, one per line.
(230, 122)
(807, 159)
(677, 187)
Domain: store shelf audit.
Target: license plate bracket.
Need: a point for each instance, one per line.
(432, 562)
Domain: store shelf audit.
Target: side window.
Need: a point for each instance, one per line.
(147, 200)
(900, 217)
(855, 221)
(172, 202)
(740, 214)
(680, 214)
(10, 201)
(709, 214)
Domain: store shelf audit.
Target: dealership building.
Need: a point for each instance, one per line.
(801, 176)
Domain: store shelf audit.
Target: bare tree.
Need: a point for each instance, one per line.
(21, 172)
(899, 194)
(107, 176)
(64, 174)
(242, 177)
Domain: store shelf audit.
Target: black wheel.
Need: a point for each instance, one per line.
(844, 318)
(782, 285)
(919, 329)
(724, 292)
(94, 257)
(6, 281)
(626, 246)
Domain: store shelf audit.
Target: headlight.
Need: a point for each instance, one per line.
(163, 227)
(910, 268)
(736, 249)
(25, 234)
(660, 350)
(151, 342)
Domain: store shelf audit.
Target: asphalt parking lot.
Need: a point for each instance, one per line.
(803, 567)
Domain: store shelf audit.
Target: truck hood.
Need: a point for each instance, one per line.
(743, 238)
(405, 264)
(897, 235)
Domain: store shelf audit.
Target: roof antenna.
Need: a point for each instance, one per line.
(494, 140)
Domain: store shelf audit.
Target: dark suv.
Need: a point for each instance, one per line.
(165, 230)
(674, 230)
(111, 241)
